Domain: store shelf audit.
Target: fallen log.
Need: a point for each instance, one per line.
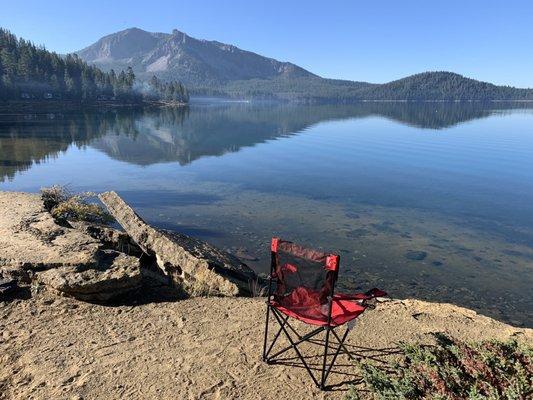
(195, 266)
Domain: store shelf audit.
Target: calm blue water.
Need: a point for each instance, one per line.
(375, 182)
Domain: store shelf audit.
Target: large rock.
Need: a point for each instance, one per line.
(114, 275)
(72, 261)
(195, 266)
(111, 238)
(31, 239)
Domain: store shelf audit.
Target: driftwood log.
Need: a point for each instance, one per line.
(195, 266)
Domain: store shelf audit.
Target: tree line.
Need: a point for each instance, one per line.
(31, 72)
(428, 86)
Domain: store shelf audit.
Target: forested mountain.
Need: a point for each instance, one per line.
(443, 86)
(161, 61)
(427, 86)
(213, 68)
(31, 72)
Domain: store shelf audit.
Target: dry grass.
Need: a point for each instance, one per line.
(67, 206)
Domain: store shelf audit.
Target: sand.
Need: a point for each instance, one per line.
(202, 348)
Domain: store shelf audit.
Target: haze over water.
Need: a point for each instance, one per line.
(432, 201)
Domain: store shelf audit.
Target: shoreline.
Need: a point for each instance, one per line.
(60, 105)
(30, 204)
(66, 334)
(55, 105)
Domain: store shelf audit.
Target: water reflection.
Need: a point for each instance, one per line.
(148, 136)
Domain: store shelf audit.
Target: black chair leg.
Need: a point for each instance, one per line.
(284, 327)
(326, 346)
(266, 333)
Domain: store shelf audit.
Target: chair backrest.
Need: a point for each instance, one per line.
(307, 274)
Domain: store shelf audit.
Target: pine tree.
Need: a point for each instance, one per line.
(70, 85)
(130, 78)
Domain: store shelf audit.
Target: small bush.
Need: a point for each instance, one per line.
(54, 195)
(455, 370)
(66, 206)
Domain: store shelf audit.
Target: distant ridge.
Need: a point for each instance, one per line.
(214, 68)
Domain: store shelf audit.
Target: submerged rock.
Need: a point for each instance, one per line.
(243, 254)
(357, 233)
(195, 266)
(416, 255)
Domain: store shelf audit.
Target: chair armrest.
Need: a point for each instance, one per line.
(362, 296)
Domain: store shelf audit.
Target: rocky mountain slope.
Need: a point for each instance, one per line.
(176, 55)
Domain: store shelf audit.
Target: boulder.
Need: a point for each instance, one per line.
(115, 274)
(193, 265)
(111, 238)
(76, 262)
(31, 239)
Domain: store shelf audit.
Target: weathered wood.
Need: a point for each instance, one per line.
(195, 266)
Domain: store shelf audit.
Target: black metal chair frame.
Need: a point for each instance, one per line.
(285, 327)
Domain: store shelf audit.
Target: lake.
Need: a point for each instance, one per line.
(432, 201)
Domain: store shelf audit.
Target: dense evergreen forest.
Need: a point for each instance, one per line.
(427, 86)
(29, 72)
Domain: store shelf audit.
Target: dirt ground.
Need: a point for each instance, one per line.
(202, 348)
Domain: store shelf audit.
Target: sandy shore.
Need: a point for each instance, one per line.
(57, 347)
(204, 348)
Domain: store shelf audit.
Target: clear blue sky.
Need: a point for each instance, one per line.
(374, 41)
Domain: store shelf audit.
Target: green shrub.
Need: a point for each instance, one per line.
(66, 206)
(454, 370)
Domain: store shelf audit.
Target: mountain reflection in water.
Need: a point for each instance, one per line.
(148, 136)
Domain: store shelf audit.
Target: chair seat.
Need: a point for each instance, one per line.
(305, 305)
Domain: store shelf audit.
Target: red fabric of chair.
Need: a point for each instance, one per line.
(304, 305)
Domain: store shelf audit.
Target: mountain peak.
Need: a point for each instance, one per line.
(134, 29)
(176, 55)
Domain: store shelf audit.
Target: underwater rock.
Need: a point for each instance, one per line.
(357, 233)
(415, 255)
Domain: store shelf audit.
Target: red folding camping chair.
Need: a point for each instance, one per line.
(302, 286)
